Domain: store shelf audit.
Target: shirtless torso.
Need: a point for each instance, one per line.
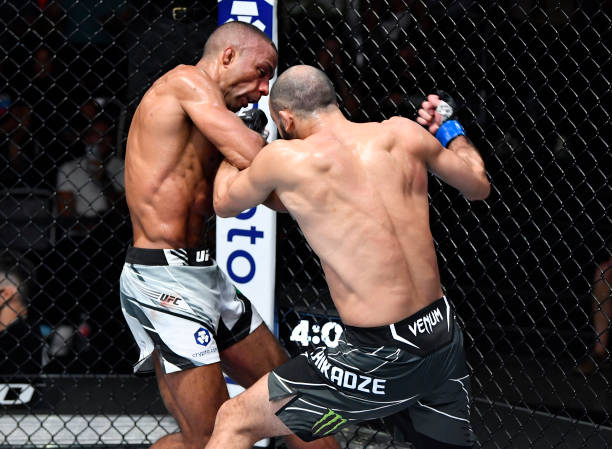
(183, 127)
(170, 162)
(359, 194)
(361, 201)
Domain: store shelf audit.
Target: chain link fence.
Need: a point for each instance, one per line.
(528, 270)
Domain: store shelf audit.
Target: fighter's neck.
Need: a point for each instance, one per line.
(208, 69)
(322, 121)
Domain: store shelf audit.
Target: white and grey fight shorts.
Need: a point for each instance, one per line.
(179, 302)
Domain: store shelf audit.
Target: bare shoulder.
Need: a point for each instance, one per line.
(189, 82)
(410, 135)
(290, 150)
(278, 149)
(280, 157)
(402, 124)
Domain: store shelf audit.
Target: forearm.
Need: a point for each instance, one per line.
(236, 191)
(245, 148)
(223, 181)
(458, 162)
(202, 101)
(467, 152)
(463, 148)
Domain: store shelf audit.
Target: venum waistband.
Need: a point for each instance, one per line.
(198, 257)
(422, 333)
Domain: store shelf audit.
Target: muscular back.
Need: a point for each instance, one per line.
(170, 166)
(359, 194)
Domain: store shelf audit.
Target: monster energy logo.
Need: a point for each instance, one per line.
(330, 422)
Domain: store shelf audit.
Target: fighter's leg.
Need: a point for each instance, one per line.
(255, 356)
(402, 429)
(441, 419)
(247, 418)
(179, 345)
(193, 397)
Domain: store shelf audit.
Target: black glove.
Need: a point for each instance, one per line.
(255, 119)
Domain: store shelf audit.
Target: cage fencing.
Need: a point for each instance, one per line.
(526, 269)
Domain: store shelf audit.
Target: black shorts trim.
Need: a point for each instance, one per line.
(422, 333)
(241, 330)
(196, 257)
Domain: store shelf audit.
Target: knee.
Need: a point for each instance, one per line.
(233, 417)
(182, 440)
(195, 436)
(196, 440)
(228, 416)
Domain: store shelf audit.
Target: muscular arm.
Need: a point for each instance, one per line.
(236, 191)
(203, 103)
(460, 166)
(463, 148)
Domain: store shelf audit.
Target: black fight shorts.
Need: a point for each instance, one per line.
(413, 371)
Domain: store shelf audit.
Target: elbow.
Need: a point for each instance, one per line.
(486, 187)
(240, 162)
(221, 207)
(481, 192)
(223, 213)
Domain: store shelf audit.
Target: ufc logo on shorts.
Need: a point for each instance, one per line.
(202, 256)
(167, 299)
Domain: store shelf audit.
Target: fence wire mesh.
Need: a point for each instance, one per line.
(528, 270)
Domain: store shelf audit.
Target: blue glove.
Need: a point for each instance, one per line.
(449, 128)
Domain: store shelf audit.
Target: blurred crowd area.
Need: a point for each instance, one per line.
(529, 76)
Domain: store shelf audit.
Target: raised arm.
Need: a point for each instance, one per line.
(203, 103)
(459, 163)
(235, 191)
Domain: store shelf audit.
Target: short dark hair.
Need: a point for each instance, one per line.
(235, 33)
(302, 89)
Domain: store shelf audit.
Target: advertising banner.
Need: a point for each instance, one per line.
(246, 245)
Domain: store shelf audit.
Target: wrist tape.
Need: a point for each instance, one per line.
(448, 131)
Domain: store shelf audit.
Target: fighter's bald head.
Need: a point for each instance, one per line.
(302, 89)
(235, 34)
